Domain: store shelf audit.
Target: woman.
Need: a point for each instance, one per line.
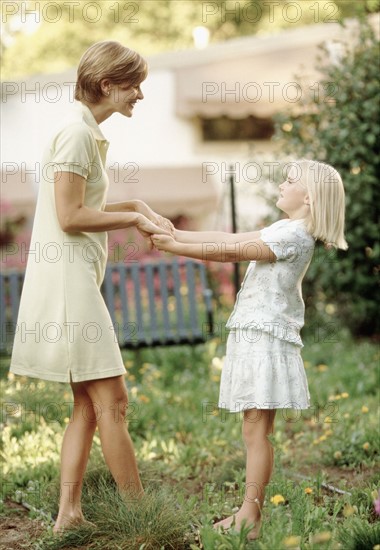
(64, 331)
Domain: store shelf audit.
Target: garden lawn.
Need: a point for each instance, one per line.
(192, 458)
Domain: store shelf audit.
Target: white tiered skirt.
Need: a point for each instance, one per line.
(263, 372)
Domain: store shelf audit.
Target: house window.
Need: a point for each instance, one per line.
(224, 128)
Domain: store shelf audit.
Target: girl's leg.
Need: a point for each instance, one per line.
(76, 447)
(110, 401)
(257, 425)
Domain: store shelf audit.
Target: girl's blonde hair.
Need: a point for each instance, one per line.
(107, 60)
(327, 201)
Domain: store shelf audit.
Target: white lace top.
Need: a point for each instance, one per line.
(270, 298)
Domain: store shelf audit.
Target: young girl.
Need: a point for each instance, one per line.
(263, 370)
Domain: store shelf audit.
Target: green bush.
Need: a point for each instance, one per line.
(339, 125)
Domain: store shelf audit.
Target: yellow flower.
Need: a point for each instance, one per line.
(346, 415)
(308, 490)
(366, 446)
(323, 536)
(66, 420)
(144, 398)
(349, 510)
(328, 432)
(337, 454)
(277, 499)
(322, 438)
(306, 364)
(365, 409)
(292, 541)
(376, 547)
(322, 368)
(344, 395)
(328, 420)
(131, 376)
(217, 363)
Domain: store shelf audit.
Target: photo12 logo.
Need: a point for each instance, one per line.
(269, 12)
(69, 12)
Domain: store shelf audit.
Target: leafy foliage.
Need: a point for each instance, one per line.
(339, 125)
(63, 30)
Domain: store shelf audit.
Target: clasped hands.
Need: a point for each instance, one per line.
(156, 230)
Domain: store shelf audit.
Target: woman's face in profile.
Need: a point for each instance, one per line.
(123, 98)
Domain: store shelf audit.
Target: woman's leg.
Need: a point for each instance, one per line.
(257, 425)
(76, 448)
(110, 401)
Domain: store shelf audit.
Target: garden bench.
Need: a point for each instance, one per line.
(159, 303)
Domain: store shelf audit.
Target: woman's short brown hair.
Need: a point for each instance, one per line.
(107, 60)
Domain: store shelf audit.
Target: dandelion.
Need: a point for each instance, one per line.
(328, 420)
(349, 510)
(328, 432)
(277, 499)
(366, 446)
(66, 420)
(217, 363)
(323, 536)
(365, 409)
(291, 542)
(308, 490)
(337, 455)
(322, 368)
(344, 395)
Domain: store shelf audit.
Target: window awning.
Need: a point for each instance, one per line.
(171, 191)
(255, 75)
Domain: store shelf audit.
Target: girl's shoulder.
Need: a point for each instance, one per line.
(288, 238)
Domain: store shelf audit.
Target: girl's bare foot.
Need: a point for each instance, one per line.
(236, 521)
(66, 523)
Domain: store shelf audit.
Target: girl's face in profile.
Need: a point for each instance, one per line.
(293, 195)
(123, 98)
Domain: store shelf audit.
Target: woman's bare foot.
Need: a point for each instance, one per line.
(66, 523)
(236, 521)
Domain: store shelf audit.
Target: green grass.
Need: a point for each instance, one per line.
(192, 458)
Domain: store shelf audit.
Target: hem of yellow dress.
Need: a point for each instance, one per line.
(52, 377)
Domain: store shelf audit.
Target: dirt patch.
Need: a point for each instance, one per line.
(17, 530)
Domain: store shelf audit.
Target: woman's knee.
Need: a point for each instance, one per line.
(109, 397)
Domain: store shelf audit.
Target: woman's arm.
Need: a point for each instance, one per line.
(126, 206)
(73, 215)
(141, 207)
(213, 236)
(217, 251)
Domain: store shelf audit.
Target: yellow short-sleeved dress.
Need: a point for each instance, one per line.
(64, 331)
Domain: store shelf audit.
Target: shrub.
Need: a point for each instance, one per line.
(341, 128)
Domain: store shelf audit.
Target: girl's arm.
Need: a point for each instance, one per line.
(215, 250)
(213, 236)
(74, 216)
